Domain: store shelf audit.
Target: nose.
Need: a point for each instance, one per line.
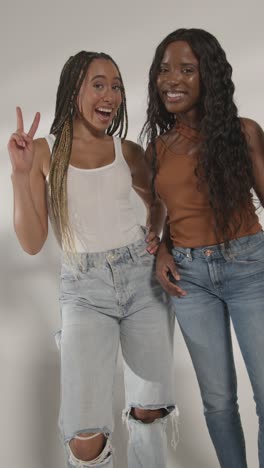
(108, 96)
(175, 76)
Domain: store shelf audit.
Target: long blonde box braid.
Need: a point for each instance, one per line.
(72, 76)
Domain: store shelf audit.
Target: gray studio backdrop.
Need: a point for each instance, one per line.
(36, 39)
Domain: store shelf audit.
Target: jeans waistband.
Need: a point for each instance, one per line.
(242, 244)
(83, 261)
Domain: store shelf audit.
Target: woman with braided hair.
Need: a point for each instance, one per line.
(205, 162)
(81, 175)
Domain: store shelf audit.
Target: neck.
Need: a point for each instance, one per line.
(191, 119)
(83, 129)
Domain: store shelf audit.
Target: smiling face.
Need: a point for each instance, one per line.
(100, 94)
(178, 81)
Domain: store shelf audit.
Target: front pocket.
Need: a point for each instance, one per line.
(69, 273)
(178, 256)
(252, 255)
(144, 255)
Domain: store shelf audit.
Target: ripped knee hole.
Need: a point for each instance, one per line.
(88, 446)
(148, 416)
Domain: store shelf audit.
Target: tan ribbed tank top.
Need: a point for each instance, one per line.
(190, 216)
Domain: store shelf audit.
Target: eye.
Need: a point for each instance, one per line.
(163, 69)
(117, 87)
(98, 85)
(188, 70)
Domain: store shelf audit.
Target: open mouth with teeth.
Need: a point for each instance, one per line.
(104, 113)
(174, 95)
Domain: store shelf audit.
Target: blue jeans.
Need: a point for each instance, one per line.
(221, 285)
(113, 298)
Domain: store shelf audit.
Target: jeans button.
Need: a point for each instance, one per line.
(208, 252)
(111, 256)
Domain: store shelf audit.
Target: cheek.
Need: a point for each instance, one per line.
(195, 84)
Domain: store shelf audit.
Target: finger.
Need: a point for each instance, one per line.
(18, 139)
(20, 123)
(27, 138)
(170, 287)
(154, 241)
(154, 250)
(163, 275)
(173, 270)
(151, 235)
(34, 125)
(153, 246)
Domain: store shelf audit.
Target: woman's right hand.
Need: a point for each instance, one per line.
(165, 267)
(20, 145)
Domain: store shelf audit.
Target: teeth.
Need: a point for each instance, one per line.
(103, 109)
(173, 95)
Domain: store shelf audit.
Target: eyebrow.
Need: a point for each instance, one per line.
(103, 76)
(182, 64)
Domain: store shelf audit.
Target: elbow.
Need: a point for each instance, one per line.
(32, 247)
(31, 250)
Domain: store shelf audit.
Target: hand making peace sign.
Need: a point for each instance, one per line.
(20, 145)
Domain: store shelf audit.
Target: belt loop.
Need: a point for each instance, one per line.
(132, 252)
(84, 263)
(189, 254)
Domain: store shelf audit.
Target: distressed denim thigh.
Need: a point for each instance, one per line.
(89, 346)
(147, 340)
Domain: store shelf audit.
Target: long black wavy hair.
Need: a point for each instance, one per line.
(224, 163)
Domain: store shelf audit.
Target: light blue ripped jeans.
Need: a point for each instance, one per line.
(221, 285)
(113, 298)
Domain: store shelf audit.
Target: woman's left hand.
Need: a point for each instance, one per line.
(153, 242)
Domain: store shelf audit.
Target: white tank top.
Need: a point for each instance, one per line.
(100, 212)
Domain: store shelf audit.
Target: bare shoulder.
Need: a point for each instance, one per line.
(133, 153)
(253, 131)
(132, 149)
(41, 147)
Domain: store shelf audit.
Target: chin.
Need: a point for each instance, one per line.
(177, 108)
(99, 127)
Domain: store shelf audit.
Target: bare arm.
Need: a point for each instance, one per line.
(30, 211)
(165, 266)
(255, 139)
(141, 177)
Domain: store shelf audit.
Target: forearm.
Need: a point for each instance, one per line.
(166, 243)
(156, 217)
(30, 231)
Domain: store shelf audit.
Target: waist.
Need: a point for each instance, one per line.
(106, 239)
(82, 261)
(198, 231)
(242, 244)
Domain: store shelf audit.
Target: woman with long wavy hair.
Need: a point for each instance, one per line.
(81, 175)
(206, 160)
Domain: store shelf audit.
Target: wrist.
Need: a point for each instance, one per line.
(17, 176)
(20, 180)
(163, 248)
